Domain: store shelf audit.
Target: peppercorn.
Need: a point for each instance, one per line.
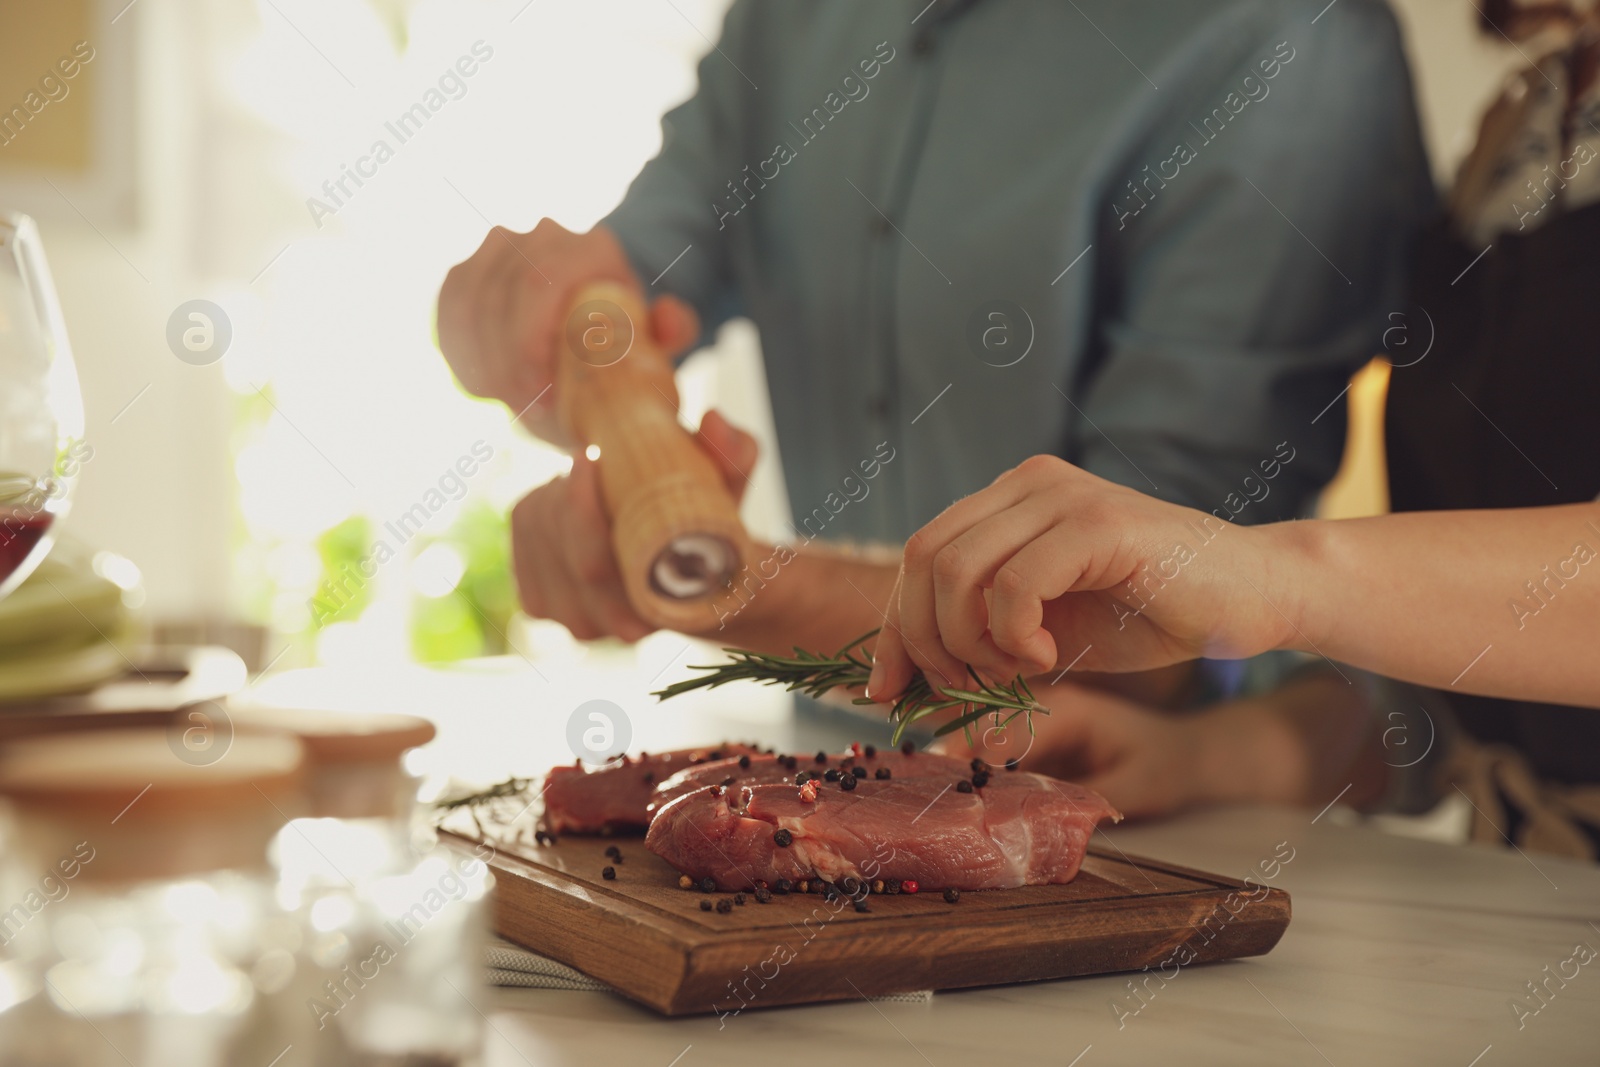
(783, 887)
(882, 774)
(892, 886)
(1011, 764)
(727, 781)
(744, 763)
(614, 852)
(909, 886)
(708, 884)
(763, 896)
(906, 748)
(859, 772)
(978, 765)
(649, 777)
(963, 786)
(951, 895)
(802, 886)
(542, 837)
(871, 751)
(716, 790)
(705, 905)
(980, 779)
(685, 882)
(717, 754)
(832, 775)
(861, 905)
(848, 782)
(738, 898)
(877, 886)
(608, 873)
(724, 906)
(822, 757)
(851, 885)
(790, 762)
(803, 777)
(782, 838)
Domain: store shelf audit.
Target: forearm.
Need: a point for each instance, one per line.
(814, 599)
(1500, 603)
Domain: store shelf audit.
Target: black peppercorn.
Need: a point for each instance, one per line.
(906, 748)
(717, 754)
(822, 757)
(608, 873)
(882, 774)
(980, 779)
(850, 884)
(727, 781)
(724, 906)
(952, 895)
(848, 782)
(614, 852)
(782, 838)
(978, 765)
(803, 777)
(871, 751)
(744, 763)
(963, 786)
(782, 886)
(861, 905)
(738, 898)
(1011, 764)
(859, 772)
(833, 775)
(705, 905)
(708, 884)
(790, 762)
(892, 886)
(763, 896)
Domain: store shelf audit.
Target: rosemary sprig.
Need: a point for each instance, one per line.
(813, 674)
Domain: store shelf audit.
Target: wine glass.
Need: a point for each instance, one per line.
(41, 409)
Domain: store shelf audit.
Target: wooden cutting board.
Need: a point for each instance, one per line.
(647, 938)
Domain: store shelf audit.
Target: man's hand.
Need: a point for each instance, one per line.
(561, 541)
(501, 313)
(1050, 563)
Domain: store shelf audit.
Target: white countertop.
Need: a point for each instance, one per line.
(1400, 951)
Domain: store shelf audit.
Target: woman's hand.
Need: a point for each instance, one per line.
(1051, 567)
(1295, 745)
(1140, 759)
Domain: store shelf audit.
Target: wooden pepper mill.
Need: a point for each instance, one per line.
(675, 528)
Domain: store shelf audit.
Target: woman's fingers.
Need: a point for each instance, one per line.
(969, 565)
(892, 668)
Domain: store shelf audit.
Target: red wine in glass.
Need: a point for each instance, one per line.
(20, 534)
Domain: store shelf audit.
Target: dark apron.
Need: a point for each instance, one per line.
(1518, 334)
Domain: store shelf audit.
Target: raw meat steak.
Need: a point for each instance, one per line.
(581, 800)
(1016, 829)
(742, 770)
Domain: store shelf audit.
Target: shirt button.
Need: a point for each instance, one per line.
(922, 43)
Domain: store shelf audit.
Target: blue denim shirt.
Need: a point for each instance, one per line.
(1153, 238)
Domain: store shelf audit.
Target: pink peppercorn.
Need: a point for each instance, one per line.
(908, 886)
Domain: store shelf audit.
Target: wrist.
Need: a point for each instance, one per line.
(1246, 753)
(1297, 565)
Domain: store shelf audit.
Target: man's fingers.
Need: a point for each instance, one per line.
(674, 324)
(732, 450)
(590, 559)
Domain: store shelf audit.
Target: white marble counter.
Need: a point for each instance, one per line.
(1400, 951)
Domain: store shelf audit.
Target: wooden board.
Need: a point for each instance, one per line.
(647, 938)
